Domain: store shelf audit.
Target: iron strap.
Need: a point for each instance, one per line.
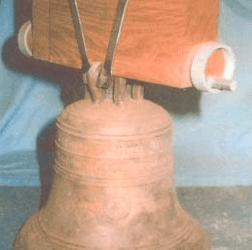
(79, 34)
(115, 34)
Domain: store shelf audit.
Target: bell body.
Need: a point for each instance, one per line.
(113, 186)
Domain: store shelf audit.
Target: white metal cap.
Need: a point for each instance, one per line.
(199, 64)
(22, 39)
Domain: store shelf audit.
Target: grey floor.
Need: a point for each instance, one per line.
(224, 212)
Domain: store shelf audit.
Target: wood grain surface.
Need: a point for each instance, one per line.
(158, 36)
(40, 29)
(156, 43)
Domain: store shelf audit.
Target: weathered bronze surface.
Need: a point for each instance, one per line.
(113, 186)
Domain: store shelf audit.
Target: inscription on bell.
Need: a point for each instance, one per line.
(143, 147)
(128, 147)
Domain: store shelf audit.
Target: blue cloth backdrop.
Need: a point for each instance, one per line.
(27, 104)
(213, 148)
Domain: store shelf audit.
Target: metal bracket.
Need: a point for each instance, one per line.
(115, 35)
(79, 34)
(98, 76)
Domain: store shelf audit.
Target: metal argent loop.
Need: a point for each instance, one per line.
(199, 64)
(92, 76)
(22, 39)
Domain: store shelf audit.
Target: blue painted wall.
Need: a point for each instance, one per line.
(215, 147)
(212, 139)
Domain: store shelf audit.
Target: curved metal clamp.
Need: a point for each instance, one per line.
(99, 84)
(199, 64)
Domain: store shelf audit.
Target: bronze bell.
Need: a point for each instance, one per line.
(113, 186)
